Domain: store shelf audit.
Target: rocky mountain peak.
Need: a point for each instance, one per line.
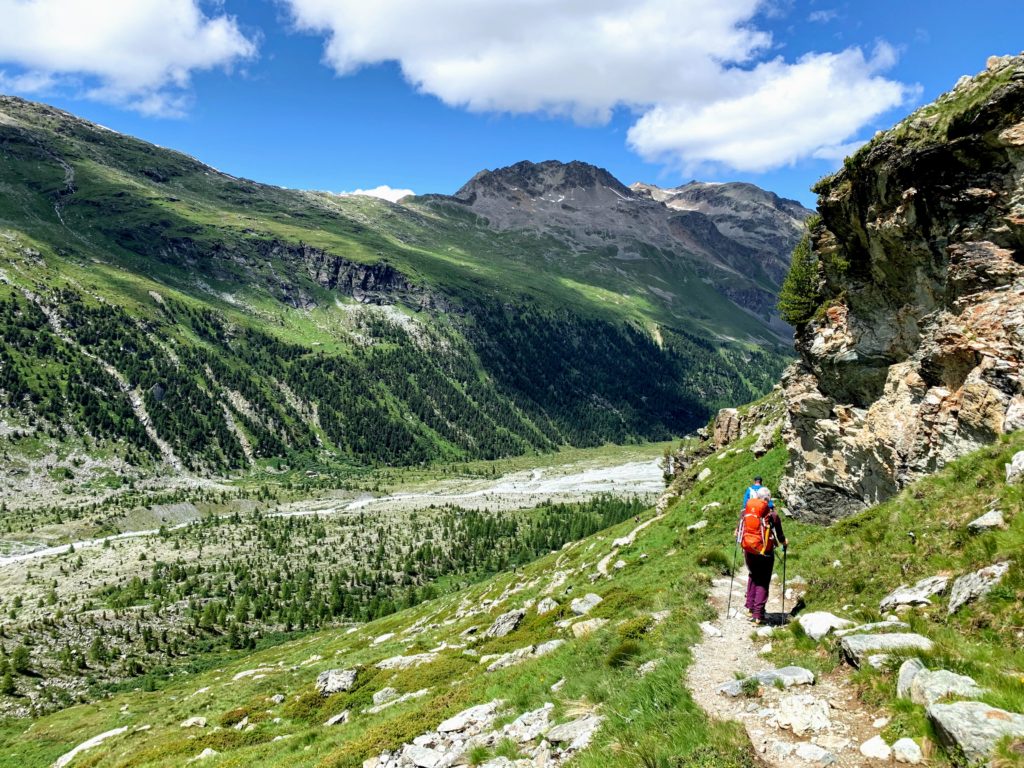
(535, 180)
(914, 356)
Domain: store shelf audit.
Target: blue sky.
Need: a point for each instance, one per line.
(421, 95)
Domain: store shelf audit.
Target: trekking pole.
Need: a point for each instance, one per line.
(784, 583)
(732, 575)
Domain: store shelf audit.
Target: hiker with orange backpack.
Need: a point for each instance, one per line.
(759, 532)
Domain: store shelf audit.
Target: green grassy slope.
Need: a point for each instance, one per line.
(243, 317)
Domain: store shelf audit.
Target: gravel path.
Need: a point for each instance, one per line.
(718, 659)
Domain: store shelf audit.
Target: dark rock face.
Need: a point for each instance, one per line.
(916, 354)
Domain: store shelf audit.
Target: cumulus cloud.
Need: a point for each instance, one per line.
(134, 53)
(683, 66)
(383, 191)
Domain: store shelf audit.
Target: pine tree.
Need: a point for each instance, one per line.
(798, 299)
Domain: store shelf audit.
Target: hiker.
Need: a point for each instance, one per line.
(752, 491)
(759, 532)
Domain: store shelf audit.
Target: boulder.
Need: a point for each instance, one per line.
(529, 725)
(929, 687)
(974, 585)
(584, 628)
(422, 757)
(1015, 469)
(506, 623)
(576, 733)
(907, 751)
(991, 520)
(549, 647)
(857, 648)
(335, 680)
(909, 669)
(803, 713)
(974, 728)
(919, 594)
(481, 714)
(385, 694)
(728, 427)
(194, 722)
(820, 623)
(339, 719)
(546, 606)
(875, 748)
(581, 606)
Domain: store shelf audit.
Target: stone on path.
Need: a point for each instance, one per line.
(1015, 469)
(974, 585)
(335, 680)
(989, 521)
(907, 751)
(909, 669)
(581, 606)
(875, 748)
(819, 623)
(857, 647)
(919, 594)
(709, 629)
(505, 623)
(803, 713)
(973, 727)
(786, 676)
(812, 753)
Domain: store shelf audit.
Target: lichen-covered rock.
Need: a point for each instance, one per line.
(974, 585)
(505, 623)
(974, 728)
(915, 355)
(335, 680)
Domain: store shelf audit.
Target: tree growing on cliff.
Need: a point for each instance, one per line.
(798, 300)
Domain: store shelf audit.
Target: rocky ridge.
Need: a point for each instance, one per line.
(914, 356)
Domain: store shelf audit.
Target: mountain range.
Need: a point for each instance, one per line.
(158, 312)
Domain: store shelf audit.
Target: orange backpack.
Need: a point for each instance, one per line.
(755, 528)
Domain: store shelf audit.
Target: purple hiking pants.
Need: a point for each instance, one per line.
(759, 568)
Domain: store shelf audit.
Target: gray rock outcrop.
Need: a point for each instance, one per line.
(918, 594)
(506, 623)
(974, 728)
(334, 681)
(974, 585)
(913, 357)
(857, 648)
(991, 520)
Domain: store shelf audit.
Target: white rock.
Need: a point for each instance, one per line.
(383, 638)
(576, 733)
(705, 473)
(335, 680)
(803, 713)
(385, 694)
(820, 623)
(812, 753)
(929, 687)
(1015, 469)
(422, 757)
(909, 669)
(989, 521)
(546, 606)
(505, 624)
(338, 719)
(907, 751)
(584, 605)
(765, 649)
(697, 526)
(647, 667)
(919, 594)
(556, 687)
(709, 629)
(619, 565)
(875, 748)
(880, 722)
(406, 662)
(482, 713)
(194, 722)
(206, 754)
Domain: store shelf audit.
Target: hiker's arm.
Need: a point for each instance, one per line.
(777, 525)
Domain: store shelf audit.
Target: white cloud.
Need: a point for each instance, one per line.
(681, 65)
(823, 16)
(134, 53)
(383, 191)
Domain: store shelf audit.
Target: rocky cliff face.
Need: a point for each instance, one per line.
(915, 354)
